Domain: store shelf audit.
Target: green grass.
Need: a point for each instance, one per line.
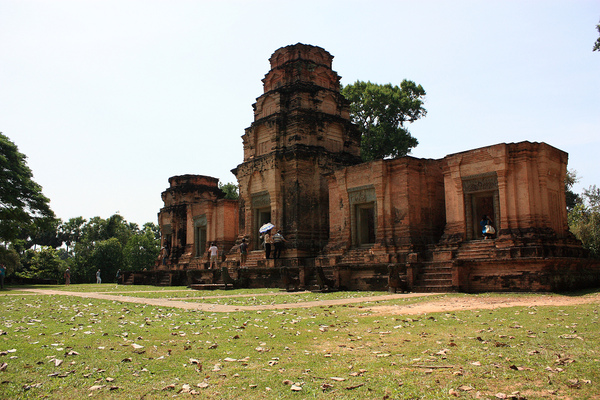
(540, 352)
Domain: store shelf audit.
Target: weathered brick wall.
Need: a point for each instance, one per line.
(530, 188)
(301, 132)
(529, 275)
(190, 197)
(409, 202)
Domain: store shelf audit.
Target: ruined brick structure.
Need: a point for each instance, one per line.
(195, 214)
(301, 132)
(400, 224)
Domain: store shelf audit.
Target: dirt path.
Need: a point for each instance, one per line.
(447, 304)
(481, 302)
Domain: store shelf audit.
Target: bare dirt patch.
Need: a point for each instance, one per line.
(445, 304)
(480, 302)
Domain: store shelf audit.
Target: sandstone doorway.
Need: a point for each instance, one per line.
(481, 198)
(481, 204)
(200, 241)
(261, 217)
(365, 224)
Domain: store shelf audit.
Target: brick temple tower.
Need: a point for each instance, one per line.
(301, 133)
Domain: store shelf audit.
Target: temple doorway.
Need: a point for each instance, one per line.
(261, 217)
(481, 198)
(482, 204)
(365, 224)
(200, 241)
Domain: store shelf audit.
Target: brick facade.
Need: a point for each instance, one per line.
(400, 224)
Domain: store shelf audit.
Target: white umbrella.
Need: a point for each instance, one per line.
(266, 227)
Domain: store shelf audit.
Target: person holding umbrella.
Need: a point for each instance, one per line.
(268, 244)
(268, 240)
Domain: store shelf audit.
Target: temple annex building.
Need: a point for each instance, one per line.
(399, 224)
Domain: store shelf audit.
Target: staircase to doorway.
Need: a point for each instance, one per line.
(253, 258)
(434, 277)
(476, 249)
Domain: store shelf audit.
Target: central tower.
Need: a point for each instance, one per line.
(301, 133)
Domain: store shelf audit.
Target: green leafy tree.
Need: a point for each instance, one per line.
(71, 231)
(584, 220)
(117, 227)
(230, 189)
(381, 113)
(21, 200)
(10, 258)
(107, 256)
(44, 263)
(154, 228)
(48, 234)
(572, 198)
(141, 251)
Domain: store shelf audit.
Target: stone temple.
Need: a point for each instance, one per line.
(398, 224)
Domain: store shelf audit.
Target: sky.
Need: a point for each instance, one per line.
(108, 99)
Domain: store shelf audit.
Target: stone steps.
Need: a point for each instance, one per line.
(165, 280)
(210, 286)
(434, 277)
(480, 249)
(253, 257)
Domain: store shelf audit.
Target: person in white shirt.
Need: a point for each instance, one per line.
(214, 252)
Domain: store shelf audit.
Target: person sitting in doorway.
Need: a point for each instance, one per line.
(486, 227)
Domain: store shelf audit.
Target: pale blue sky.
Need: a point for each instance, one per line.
(108, 99)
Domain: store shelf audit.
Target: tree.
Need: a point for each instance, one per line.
(230, 189)
(21, 200)
(154, 228)
(10, 258)
(116, 226)
(108, 257)
(584, 220)
(572, 198)
(71, 230)
(43, 264)
(381, 113)
(597, 44)
(48, 235)
(141, 251)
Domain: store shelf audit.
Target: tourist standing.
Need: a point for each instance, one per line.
(278, 240)
(98, 279)
(268, 244)
(243, 252)
(164, 253)
(2, 275)
(67, 277)
(118, 275)
(214, 253)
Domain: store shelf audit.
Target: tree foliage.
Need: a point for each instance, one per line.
(22, 204)
(107, 256)
(382, 112)
(33, 237)
(230, 189)
(572, 198)
(44, 263)
(141, 250)
(106, 244)
(584, 220)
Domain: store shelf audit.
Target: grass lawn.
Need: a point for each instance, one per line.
(62, 347)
